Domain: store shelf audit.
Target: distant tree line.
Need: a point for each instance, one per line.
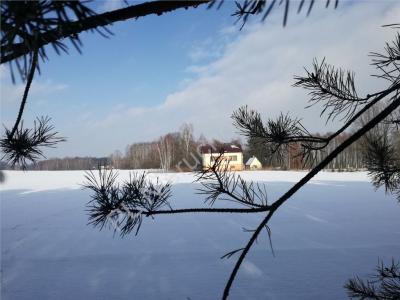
(175, 151)
(357, 156)
(350, 159)
(180, 151)
(70, 163)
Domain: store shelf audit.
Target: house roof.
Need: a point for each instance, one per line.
(252, 160)
(226, 148)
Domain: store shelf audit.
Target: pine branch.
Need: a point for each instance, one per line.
(23, 22)
(25, 145)
(274, 206)
(122, 207)
(334, 88)
(280, 134)
(385, 284)
(73, 28)
(21, 145)
(382, 161)
(388, 62)
(216, 181)
(248, 8)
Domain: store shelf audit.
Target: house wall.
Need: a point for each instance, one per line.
(235, 160)
(255, 165)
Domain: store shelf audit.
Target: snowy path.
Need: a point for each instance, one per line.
(334, 228)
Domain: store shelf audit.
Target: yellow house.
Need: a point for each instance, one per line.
(232, 155)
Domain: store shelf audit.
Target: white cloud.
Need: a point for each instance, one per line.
(257, 69)
(12, 93)
(207, 49)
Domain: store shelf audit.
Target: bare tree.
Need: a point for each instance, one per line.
(187, 136)
(165, 151)
(116, 159)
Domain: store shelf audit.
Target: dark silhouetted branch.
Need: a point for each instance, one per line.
(383, 285)
(216, 181)
(123, 205)
(274, 206)
(26, 91)
(26, 145)
(73, 28)
(244, 253)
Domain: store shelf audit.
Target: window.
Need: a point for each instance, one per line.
(233, 158)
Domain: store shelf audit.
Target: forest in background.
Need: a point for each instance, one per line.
(180, 151)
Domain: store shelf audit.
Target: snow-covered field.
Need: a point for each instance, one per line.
(334, 228)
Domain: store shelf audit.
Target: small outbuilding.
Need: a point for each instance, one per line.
(253, 163)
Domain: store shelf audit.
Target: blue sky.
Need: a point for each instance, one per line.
(145, 59)
(193, 66)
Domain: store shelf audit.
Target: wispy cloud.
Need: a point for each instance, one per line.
(13, 92)
(210, 49)
(257, 69)
(254, 67)
(40, 93)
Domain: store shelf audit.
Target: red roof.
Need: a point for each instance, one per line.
(226, 148)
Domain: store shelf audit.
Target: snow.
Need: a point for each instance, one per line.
(334, 228)
(37, 181)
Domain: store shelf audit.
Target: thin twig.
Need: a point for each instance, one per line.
(381, 116)
(26, 91)
(206, 210)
